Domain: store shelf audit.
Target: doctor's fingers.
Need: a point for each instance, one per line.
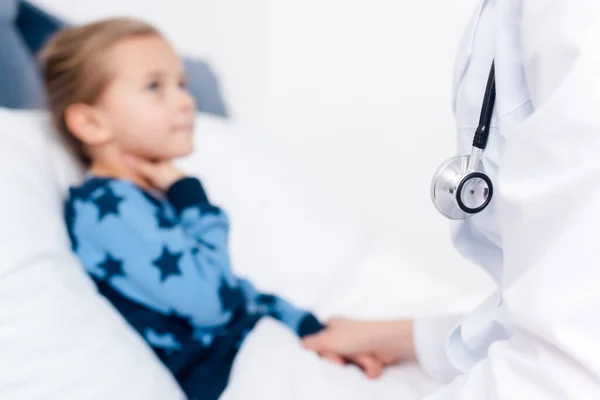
(370, 365)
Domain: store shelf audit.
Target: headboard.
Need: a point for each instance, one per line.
(24, 28)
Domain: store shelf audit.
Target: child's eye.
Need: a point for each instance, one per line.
(183, 84)
(154, 86)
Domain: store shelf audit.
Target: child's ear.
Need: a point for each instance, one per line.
(85, 122)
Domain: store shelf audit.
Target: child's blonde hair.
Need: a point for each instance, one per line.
(73, 71)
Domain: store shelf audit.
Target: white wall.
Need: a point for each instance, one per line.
(359, 91)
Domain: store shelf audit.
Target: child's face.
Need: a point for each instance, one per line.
(146, 108)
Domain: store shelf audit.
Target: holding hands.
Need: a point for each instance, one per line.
(370, 345)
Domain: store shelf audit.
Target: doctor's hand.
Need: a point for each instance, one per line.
(371, 366)
(382, 342)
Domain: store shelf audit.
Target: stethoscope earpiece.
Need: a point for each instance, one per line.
(460, 188)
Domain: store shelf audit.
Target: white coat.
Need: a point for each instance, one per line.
(538, 337)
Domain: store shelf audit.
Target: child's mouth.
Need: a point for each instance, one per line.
(184, 128)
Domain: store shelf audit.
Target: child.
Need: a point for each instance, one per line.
(148, 235)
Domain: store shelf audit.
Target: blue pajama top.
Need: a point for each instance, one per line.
(163, 262)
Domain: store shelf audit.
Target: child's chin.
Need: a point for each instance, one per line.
(181, 152)
(185, 152)
(171, 153)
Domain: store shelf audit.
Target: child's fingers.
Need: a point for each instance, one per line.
(142, 166)
(131, 159)
(136, 163)
(319, 342)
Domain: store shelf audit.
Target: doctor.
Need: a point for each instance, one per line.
(538, 337)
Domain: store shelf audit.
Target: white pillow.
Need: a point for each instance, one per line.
(58, 338)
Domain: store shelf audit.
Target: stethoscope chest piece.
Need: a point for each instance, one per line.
(459, 190)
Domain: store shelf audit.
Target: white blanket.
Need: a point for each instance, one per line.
(273, 365)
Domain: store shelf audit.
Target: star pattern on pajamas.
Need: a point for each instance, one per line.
(168, 263)
(107, 203)
(231, 297)
(111, 267)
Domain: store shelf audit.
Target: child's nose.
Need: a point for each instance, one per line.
(187, 101)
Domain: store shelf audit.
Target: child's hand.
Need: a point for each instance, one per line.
(369, 363)
(160, 175)
(385, 343)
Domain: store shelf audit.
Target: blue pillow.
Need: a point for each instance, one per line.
(20, 82)
(36, 25)
(24, 28)
(204, 86)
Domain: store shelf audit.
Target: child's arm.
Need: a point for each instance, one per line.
(150, 261)
(300, 321)
(208, 225)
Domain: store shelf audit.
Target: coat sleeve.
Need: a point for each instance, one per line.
(431, 335)
(549, 208)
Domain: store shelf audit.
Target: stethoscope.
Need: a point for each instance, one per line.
(460, 188)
